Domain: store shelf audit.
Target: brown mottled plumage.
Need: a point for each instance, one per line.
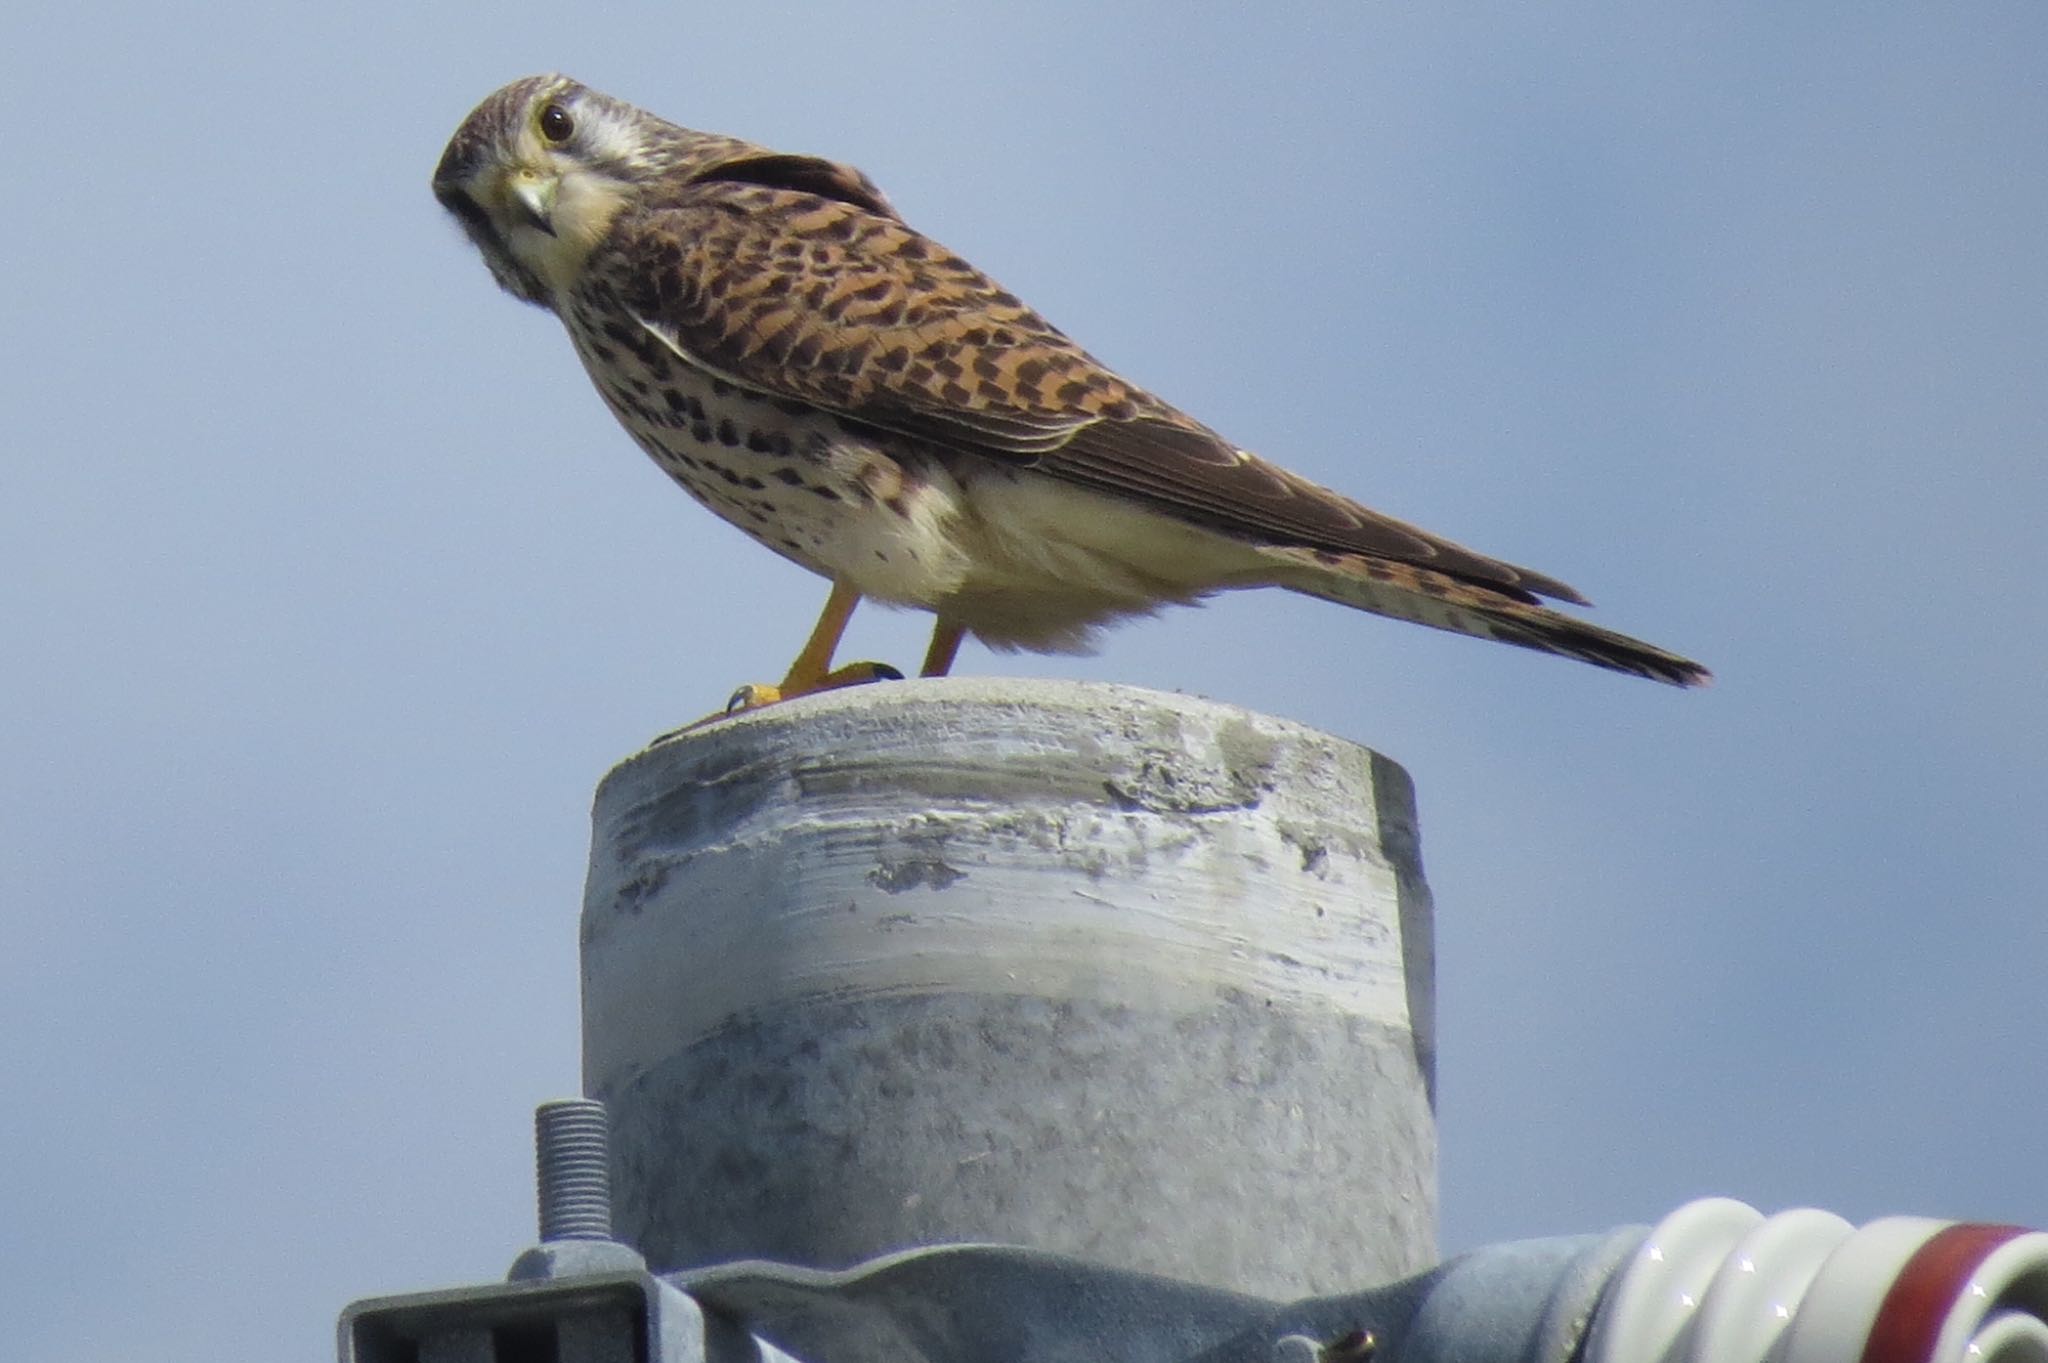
(868, 404)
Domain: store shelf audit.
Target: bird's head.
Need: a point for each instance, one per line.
(539, 171)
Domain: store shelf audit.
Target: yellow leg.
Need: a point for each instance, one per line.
(812, 670)
(815, 662)
(938, 659)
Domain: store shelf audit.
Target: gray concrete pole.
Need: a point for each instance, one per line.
(1132, 976)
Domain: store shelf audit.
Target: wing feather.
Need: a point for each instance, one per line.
(827, 298)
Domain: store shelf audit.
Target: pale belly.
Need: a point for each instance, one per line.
(1022, 560)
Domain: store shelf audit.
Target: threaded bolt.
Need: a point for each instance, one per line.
(572, 1150)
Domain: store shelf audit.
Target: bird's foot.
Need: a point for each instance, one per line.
(754, 695)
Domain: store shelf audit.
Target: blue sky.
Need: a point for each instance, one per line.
(330, 590)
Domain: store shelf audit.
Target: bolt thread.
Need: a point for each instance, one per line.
(572, 1150)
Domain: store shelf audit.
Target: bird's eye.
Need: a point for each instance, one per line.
(555, 124)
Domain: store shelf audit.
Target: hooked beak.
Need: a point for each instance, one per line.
(533, 198)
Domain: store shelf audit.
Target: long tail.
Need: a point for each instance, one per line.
(1426, 597)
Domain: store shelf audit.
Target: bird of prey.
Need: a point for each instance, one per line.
(869, 405)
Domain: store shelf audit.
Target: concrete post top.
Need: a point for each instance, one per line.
(1209, 755)
(1017, 837)
(1091, 968)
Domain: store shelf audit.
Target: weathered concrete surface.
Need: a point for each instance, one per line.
(1092, 969)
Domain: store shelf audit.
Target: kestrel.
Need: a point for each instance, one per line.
(869, 405)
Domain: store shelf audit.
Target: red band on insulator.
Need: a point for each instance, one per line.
(1927, 1289)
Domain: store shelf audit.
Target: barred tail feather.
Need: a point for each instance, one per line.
(1427, 597)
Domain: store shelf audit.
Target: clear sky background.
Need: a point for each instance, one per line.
(328, 590)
